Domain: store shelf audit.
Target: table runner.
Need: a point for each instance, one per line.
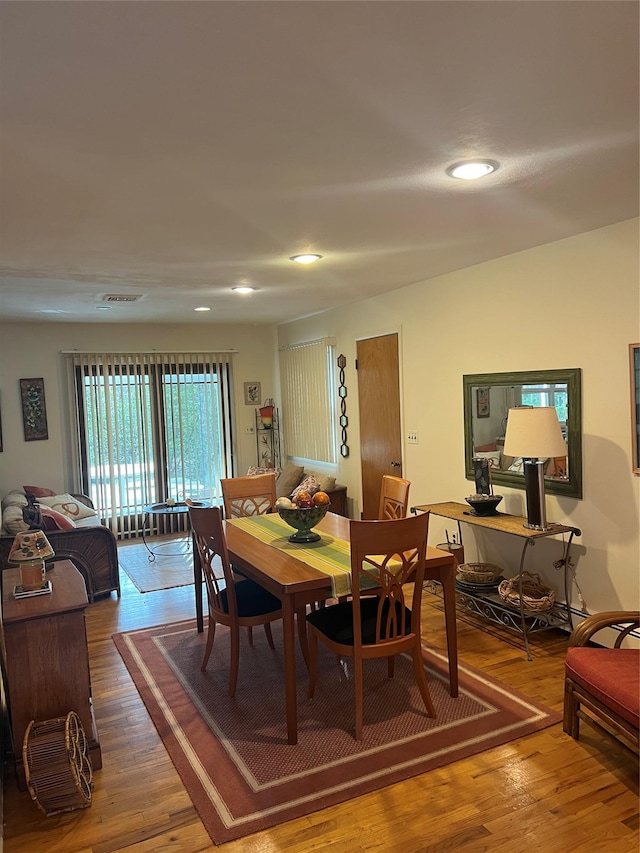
(330, 556)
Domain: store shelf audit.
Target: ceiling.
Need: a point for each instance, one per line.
(173, 150)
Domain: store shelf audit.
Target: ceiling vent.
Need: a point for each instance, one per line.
(122, 297)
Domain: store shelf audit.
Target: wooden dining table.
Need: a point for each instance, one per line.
(298, 585)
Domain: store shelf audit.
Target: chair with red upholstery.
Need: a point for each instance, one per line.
(602, 685)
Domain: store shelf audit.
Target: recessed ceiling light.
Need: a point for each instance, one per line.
(308, 258)
(244, 288)
(469, 170)
(202, 308)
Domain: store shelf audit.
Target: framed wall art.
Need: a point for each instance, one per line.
(634, 366)
(252, 394)
(482, 403)
(34, 410)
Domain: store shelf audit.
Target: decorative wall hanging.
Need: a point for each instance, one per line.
(252, 393)
(34, 411)
(482, 402)
(344, 420)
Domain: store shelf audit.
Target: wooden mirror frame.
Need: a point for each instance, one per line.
(573, 378)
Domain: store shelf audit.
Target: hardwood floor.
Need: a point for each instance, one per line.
(542, 792)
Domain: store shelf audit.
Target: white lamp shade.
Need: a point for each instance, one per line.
(534, 434)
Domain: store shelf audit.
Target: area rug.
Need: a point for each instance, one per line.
(233, 755)
(171, 562)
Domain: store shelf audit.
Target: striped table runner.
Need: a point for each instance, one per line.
(330, 556)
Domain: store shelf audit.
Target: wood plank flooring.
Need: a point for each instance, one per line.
(543, 792)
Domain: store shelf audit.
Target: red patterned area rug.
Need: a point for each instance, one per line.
(233, 756)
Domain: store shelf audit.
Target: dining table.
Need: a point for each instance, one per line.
(299, 576)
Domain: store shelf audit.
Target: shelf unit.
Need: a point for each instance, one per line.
(488, 604)
(268, 441)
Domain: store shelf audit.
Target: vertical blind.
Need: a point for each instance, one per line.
(306, 382)
(150, 427)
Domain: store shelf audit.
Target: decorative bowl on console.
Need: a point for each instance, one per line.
(303, 519)
(483, 505)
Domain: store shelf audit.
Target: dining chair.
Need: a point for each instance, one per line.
(394, 497)
(243, 496)
(232, 602)
(246, 496)
(377, 621)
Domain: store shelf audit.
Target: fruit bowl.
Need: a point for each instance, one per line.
(303, 519)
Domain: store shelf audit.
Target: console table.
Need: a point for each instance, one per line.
(489, 604)
(47, 657)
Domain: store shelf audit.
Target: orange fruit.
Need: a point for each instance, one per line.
(321, 499)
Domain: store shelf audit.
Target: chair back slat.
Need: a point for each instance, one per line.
(394, 498)
(245, 496)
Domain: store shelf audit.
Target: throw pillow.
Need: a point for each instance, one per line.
(54, 520)
(325, 482)
(255, 471)
(12, 520)
(39, 492)
(288, 480)
(68, 506)
(307, 484)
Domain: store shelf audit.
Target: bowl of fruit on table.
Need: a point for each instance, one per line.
(303, 512)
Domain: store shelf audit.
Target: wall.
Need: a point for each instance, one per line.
(33, 350)
(574, 303)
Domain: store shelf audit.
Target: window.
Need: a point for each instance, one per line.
(546, 395)
(307, 383)
(151, 426)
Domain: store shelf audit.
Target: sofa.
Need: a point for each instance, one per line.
(602, 685)
(292, 478)
(74, 530)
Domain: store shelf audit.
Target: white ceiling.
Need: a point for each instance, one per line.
(175, 149)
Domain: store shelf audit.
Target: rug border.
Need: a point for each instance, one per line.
(221, 824)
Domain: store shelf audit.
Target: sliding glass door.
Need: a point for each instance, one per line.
(151, 427)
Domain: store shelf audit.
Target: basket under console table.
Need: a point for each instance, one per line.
(489, 604)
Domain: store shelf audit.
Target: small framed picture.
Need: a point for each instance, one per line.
(34, 410)
(252, 394)
(482, 402)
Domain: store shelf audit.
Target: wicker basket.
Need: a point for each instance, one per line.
(535, 596)
(479, 573)
(57, 765)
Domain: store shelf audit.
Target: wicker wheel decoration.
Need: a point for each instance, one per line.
(535, 595)
(57, 764)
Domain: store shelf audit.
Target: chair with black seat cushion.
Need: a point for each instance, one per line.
(377, 621)
(234, 603)
(394, 497)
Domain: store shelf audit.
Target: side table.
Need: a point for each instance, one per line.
(47, 657)
(488, 604)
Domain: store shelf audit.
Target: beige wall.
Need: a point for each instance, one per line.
(33, 350)
(574, 303)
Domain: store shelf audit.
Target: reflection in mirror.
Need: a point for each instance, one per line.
(487, 400)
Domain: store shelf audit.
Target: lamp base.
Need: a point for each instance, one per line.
(534, 489)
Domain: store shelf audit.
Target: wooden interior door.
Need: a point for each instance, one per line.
(379, 406)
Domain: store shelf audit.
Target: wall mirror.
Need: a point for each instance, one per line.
(487, 400)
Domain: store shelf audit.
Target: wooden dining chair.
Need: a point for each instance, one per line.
(394, 498)
(243, 496)
(377, 621)
(232, 602)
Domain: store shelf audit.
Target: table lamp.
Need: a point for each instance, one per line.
(29, 551)
(535, 435)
